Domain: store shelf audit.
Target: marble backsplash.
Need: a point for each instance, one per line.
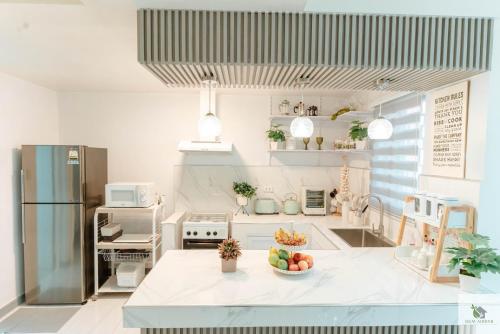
(209, 188)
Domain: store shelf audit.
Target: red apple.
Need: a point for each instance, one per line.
(290, 261)
(293, 267)
(297, 257)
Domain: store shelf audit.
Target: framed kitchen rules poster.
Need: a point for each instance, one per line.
(448, 130)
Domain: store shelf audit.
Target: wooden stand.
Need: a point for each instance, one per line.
(444, 227)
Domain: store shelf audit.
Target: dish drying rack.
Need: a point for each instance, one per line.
(455, 218)
(124, 256)
(115, 253)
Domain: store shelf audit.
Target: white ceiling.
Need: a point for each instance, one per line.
(91, 46)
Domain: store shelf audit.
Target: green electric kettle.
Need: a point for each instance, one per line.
(291, 205)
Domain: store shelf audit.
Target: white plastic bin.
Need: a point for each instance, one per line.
(130, 274)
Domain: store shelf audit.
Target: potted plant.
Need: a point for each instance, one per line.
(276, 136)
(479, 258)
(229, 251)
(244, 192)
(359, 134)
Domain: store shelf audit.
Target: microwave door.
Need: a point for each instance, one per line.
(52, 174)
(123, 195)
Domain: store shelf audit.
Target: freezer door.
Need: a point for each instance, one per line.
(52, 174)
(53, 256)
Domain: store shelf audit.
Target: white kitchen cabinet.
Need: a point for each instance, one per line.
(320, 241)
(259, 242)
(261, 235)
(257, 235)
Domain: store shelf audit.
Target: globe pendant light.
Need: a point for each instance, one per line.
(380, 128)
(302, 126)
(209, 126)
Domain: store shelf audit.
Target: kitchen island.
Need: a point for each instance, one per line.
(352, 287)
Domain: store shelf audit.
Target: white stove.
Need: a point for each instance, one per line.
(205, 230)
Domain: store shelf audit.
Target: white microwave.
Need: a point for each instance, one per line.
(129, 195)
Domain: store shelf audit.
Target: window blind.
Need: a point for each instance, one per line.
(396, 162)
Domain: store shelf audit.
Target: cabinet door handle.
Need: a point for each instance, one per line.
(22, 207)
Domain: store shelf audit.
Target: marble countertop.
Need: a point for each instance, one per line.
(322, 223)
(358, 286)
(329, 220)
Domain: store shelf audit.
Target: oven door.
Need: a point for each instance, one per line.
(200, 243)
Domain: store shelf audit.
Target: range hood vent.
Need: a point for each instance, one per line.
(204, 146)
(336, 51)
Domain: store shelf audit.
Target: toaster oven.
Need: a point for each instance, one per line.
(314, 201)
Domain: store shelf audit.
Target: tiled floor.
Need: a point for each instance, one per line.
(103, 316)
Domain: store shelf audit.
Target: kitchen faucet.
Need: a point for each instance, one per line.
(380, 230)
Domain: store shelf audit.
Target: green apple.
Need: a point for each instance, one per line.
(283, 254)
(282, 264)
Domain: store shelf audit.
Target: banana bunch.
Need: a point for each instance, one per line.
(284, 237)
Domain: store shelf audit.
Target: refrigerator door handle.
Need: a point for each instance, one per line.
(22, 207)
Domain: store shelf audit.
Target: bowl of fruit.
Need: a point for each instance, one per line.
(291, 241)
(290, 263)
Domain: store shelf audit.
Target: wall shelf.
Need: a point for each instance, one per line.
(323, 151)
(291, 117)
(348, 117)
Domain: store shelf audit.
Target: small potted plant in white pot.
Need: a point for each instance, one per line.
(479, 258)
(229, 251)
(359, 134)
(276, 137)
(244, 192)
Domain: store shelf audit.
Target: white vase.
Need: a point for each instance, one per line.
(273, 145)
(241, 200)
(361, 144)
(346, 208)
(468, 283)
(228, 266)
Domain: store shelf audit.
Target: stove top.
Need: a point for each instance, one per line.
(208, 218)
(212, 226)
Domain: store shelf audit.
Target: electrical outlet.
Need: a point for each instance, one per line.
(268, 189)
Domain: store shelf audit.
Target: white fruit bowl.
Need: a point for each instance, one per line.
(292, 249)
(291, 273)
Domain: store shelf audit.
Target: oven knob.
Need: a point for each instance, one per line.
(215, 232)
(188, 232)
(195, 233)
(208, 233)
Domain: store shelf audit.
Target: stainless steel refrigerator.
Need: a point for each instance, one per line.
(61, 188)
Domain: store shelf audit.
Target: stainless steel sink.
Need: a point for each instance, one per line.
(356, 237)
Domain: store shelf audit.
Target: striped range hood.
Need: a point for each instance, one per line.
(336, 51)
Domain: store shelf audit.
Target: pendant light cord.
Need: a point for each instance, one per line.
(209, 96)
(302, 99)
